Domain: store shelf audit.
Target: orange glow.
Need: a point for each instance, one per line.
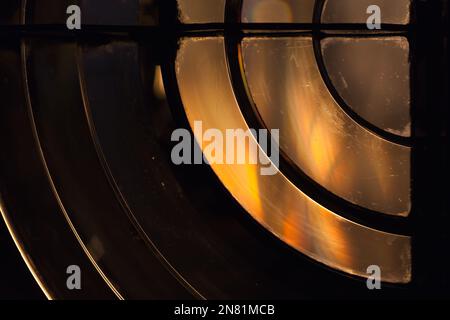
(277, 204)
(316, 134)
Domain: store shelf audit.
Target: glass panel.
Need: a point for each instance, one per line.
(201, 11)
(77, 177)
(48, 11)
(372, 76)
(110, 12)
(26, 201)
(355, 11)
(205, 89)
(95, 12)
(120, 12)
(281, 11)
(324, 142)
(10, 11)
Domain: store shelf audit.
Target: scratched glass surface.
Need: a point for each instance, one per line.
(207, 95)
(372, 75)
(277, 11)
(355, 11)
(201, 11)
(316, 134)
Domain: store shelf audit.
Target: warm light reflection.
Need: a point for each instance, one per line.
(351, 11)
(273, 200)
(372, 75)
(158, 84)
(324, 142)
(277, 11)
(201, 11)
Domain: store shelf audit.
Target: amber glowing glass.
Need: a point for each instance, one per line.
(277, 204)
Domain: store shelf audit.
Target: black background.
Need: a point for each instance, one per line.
(16, 280)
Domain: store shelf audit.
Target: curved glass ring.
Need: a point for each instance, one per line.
(278, 205)
(321, 139)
